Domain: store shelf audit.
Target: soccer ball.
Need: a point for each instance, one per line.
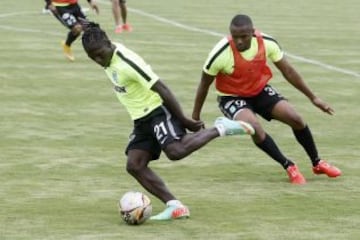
(135, 208)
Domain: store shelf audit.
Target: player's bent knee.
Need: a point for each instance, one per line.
(257, 126)
(133, 168)
(76, 29)
(259, 131)
(297, 122)
(175, 152)
(173, 156)
(130, 169)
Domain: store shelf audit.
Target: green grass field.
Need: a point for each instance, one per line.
(63, 131)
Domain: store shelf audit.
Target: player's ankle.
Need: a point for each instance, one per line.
(221, 129)
(173, 202)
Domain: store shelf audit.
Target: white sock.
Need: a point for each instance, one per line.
(221, 129)
(174, 202)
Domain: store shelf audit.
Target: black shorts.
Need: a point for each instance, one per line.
(69, 15)
(261, 104)
(154, 131)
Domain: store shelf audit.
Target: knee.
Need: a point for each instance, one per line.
(257, 126)
(76, 29)
(260, 134)
(296, 122)
(174, 153)
(133, 168)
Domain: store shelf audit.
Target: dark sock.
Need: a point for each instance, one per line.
(304, 137)
(71, 37)
(270, 147)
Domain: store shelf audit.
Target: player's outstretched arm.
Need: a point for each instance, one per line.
(294, 78)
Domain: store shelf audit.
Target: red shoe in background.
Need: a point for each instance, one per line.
(127, 27)
(325, 168)
(295, 175)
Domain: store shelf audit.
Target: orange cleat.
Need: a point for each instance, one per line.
(127, 27)
(118, 29)
(172, 212)
(295, 175)
(325, 168)
(182, 212)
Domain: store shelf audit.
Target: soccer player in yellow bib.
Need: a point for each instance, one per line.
(238, 64)
(159, 122)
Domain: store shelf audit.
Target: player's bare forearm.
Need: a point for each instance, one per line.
(169, 99)
(201, 94)
(199, 102)
(294, 78)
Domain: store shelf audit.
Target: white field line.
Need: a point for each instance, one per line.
(188, 28)
(4, 15)
(29, 30)
(324, 65)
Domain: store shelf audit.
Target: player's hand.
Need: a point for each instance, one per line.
(193, 125)
(196, 117)
(323, 106)
(52, 8)
(94, 7)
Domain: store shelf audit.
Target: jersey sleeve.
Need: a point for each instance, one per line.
(137, 69)
(216, 58)
(273, 50)
(143, 74)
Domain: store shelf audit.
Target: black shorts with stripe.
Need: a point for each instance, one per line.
(262, 104)
(154, 131)
(69, 15)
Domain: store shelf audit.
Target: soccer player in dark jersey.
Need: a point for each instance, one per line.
(68, 13)
(159, 122)
(238, 64)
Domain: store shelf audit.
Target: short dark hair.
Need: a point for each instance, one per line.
(241, 20)
(94, 37)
